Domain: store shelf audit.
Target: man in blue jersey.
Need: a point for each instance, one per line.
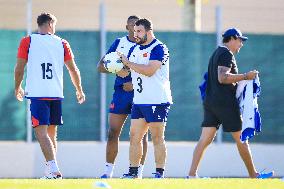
(149, 64)
(121, 103)
(220, 104)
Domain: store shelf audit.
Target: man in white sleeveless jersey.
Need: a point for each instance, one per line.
(149, 64)
(121, 102)
(45, 55)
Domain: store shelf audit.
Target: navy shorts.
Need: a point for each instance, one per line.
(121, 102)
(46, 112)
(151, 113)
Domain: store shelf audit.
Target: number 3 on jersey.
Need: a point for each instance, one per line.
(140, 85)
(46, 70)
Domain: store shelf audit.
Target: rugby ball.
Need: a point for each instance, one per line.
(112, 62)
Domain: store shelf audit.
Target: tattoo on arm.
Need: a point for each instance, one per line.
(223, 74)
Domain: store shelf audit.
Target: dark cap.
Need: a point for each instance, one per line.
(234, 32)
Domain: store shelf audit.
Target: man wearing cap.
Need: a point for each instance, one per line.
(220, 104)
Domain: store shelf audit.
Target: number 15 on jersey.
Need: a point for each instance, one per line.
(46, 70)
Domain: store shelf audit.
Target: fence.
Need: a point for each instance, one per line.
(189, 55)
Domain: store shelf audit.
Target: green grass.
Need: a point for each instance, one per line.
(220, 183)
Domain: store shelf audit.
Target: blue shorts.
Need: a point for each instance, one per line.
(151, 113)
(46, 112)
(121, 102)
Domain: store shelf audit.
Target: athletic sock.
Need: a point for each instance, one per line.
(46, 168)
(53, 166)
(160, 170)
(140, 171)
(109, 167)
(133, 171)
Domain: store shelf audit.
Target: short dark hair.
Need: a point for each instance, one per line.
(144, 22)
(227, 39)
(133, 17)
(44, 18)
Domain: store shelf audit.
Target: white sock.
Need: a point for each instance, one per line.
(193, 177)
(109, 169)
(53, 166)
(140, 171)
(46, 169)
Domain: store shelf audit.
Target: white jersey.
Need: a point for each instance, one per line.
(155, 89)
(122, 45)
(247, 94)
(45, 66)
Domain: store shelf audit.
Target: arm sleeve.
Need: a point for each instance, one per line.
(23, 49)
(160, 53)
(68, 54)
(226, 59)
(113, 47)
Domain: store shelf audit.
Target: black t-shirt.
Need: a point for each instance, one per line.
(221, 94)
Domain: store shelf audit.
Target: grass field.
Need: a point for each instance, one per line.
(220, 183)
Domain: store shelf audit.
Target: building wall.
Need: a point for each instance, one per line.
(86, 159)
(84, 15)
(254, 16)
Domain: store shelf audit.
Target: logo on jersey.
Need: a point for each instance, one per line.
(111, 106)
(145, 54)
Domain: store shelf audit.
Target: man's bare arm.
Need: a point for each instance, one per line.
(76, 79)
(145, 69)
(100, 66)
(18, 76)
(225, 77)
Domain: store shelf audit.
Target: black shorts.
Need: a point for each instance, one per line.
(230, 118)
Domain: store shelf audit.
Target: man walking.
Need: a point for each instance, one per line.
(45, 55)
(220, 103)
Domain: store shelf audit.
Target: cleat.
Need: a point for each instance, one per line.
(129, 176)
(105, 176)
(52, 176)
(265, 175)
(158, 175)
